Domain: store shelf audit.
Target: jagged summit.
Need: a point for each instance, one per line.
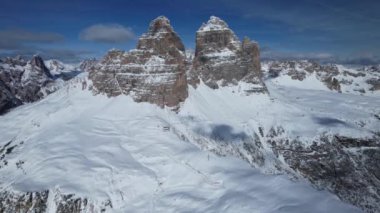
(154, 72)
(222, 59)
(160, 37)
(217, 35)
(38, 64)
(23, 81)
(37, 61)
(161, 24)
(214, 23)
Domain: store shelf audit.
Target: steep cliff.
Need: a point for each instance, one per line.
(221, 59)
(154, 72)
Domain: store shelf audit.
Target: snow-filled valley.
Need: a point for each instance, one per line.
(125, 156)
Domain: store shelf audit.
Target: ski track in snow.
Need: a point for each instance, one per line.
(113, 148)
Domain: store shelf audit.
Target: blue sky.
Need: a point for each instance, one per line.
(345, 30)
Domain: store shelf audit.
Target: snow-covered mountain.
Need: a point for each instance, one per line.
(287, 137)
(57, 67)
(23, 81)
(83, 152)
(311, 75)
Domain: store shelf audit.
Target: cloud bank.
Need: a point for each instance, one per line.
(16, 39)
(107, 33)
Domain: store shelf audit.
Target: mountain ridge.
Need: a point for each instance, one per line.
(162, 50)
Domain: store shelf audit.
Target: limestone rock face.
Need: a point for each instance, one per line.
(22, 81)
(221, 59)
(330, 163)
(154, 72)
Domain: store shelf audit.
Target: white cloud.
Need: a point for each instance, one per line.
(107, 33)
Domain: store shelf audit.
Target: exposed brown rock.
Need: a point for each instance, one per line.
(251, 55)
(332, 83)
(155, 72)
(221, 59)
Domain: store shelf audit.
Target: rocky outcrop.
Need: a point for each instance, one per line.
(335, 77)
(29, 201)
(38, 66)
(48, 201)
(22, 81)
(221, 59)
(375, 83)
(348, 167)
(154, 72)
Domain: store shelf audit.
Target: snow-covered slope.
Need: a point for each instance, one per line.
(125, 156)
(310, 75)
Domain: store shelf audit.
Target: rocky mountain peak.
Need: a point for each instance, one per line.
(213, 24)
(160, 24)
(22, 81)
(37, 61)
(221, 59)
(216, 36)
(161, 38)
(154, 72)
(38, 65)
